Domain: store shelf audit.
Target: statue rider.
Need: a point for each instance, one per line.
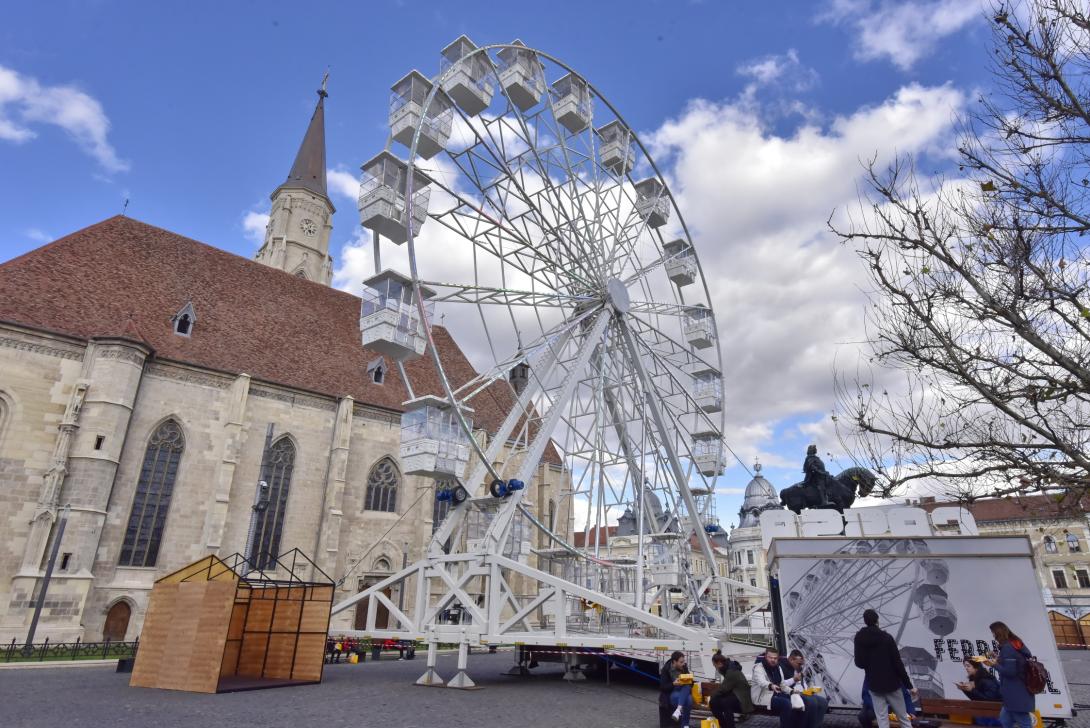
(815, 475)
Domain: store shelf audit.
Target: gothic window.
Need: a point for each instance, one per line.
(382, 564)
(183, 320)
(276, 468)
(1050, 545)
(382, 484)
(1073, 543)
(153, 493)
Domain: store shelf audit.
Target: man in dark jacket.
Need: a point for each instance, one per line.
(733, 694)
(877, 654)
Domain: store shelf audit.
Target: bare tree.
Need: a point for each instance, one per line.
(981, 299)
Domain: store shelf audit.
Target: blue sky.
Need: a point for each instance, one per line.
(193, 111)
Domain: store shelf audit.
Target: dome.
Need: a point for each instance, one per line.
(760, 496)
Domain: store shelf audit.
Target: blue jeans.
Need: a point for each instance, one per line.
(683, 696)
(816, 708)
(789, 718)
(1010, 719)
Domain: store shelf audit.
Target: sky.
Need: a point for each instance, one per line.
(759, 114)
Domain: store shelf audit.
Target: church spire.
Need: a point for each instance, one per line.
(308, 170)
(301, 218)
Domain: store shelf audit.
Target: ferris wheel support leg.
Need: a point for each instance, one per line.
(572, 671)
(461, 681)
(431, 677)
(499, 528)
(457, 516)
(664, 438)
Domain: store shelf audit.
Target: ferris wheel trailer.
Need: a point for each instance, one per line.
(935, 595)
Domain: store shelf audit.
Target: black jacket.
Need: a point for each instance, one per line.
(876, 653)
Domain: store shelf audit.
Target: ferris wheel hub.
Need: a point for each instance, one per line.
(617, 295)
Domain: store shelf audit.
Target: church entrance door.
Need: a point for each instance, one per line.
(117, 622)
(382, 614)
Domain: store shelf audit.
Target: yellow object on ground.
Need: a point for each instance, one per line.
(709, 723)
(811, 691)
(698, 696)
(353, 658)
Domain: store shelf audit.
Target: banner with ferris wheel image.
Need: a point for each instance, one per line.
(936, 596)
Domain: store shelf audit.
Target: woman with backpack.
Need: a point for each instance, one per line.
(1011, 664)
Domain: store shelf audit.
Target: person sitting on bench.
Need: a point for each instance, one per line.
(981, 684)
(772, 688)
(733, 694)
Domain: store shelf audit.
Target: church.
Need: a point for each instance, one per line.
(150, 382)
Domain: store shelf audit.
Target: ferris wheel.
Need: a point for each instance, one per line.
(528, 215)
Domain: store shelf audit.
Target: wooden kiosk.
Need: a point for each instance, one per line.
(219, 626)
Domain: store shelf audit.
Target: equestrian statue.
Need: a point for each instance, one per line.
(818, 489)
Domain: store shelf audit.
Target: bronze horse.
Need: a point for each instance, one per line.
(842, 491)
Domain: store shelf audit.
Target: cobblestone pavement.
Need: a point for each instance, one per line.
(371, 694)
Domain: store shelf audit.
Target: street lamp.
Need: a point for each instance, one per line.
(28, 648)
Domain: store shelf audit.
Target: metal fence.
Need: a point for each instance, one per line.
(20, 652)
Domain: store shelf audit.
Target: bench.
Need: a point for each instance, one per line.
(960, 711)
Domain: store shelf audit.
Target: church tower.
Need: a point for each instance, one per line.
(297, 237)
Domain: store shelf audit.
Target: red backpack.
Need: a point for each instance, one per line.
(1036, 677)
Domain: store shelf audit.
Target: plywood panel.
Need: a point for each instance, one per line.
(207, 568)
(153, 637)
(238, 620)
(315, 617)
(187, 635)
(259, 618)
(251, 657)
(322, 593)
(278, 661)
(309, 653)
(286, 616)
(230, 657)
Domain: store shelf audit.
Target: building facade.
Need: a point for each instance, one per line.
(748, 563)
(149, 383)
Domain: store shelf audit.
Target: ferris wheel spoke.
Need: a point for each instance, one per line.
(455, 293)
(547, 340)
(495, 148)
(488, 233)
(543, 173)
(657, 308)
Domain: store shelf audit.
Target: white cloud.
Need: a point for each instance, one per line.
(787, 296)
(784, 68)
(254, 224)
(904, 31)
(38, 236)
(25, 102)
(343, 183)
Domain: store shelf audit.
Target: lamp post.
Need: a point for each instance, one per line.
(29, 646)
(404, 563)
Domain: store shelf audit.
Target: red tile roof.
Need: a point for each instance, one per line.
(590, 538)
(1022, 507)
(125, 278)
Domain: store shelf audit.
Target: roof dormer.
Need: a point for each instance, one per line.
(184, 320)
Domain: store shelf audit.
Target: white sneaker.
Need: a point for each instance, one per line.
(677, 713)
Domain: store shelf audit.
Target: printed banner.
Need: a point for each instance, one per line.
(936, 596)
